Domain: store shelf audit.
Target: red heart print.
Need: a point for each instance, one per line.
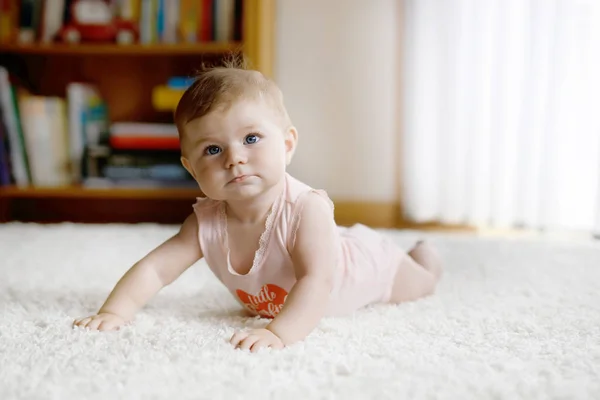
(268, 302)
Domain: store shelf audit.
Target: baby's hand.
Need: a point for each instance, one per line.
(101, 322)
(256, 339)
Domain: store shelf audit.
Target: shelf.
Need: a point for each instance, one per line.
(114, 49)
(125, 76)
(78, 192)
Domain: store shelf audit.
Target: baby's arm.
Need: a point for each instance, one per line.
(314, 256)
(146, 277)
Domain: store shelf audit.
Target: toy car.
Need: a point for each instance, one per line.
(94, 21)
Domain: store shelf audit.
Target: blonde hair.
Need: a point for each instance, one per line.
(222, 86)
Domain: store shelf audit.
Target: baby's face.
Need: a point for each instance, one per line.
(239, 152)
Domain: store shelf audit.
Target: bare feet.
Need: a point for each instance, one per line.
(418, 274)
(427, 256)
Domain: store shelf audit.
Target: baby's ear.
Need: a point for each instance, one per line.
(291, 140)
(186, 164)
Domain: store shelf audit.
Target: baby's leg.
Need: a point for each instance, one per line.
(417, 275)
(427, 256)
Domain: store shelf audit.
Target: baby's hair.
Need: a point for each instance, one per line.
(221, 86)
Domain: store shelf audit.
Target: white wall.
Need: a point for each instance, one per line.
(336, 63)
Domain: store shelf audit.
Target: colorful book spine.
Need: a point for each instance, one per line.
(45, 129)
(188, 21)
(5, 169)
(205, 21)
(12, 123)
(8, 26)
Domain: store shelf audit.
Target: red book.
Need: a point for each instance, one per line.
(206, 21)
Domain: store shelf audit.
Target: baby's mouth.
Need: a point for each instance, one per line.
(239, 178)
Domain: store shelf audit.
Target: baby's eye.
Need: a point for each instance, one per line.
(212, 150)
(251, 139)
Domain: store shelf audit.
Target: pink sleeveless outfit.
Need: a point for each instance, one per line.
(367, 260)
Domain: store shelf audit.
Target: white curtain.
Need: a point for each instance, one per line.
(501, 106)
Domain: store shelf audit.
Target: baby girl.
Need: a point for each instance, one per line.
(269, 238)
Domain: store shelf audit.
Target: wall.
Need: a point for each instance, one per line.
(336, 63)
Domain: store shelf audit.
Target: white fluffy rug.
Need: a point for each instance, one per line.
(513, 319)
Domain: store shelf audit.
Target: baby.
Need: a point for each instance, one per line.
(269, 238)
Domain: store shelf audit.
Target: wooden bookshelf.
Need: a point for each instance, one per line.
(79, 192)
(117, 50)
(96, 205)
(125, 76)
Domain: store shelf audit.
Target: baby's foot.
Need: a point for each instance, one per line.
(427, 256)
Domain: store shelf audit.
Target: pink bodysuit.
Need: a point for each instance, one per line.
(367, 260)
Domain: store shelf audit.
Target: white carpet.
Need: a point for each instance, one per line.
(513, 319)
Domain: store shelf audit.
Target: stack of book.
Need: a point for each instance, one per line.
(137, 155)
(51, 141)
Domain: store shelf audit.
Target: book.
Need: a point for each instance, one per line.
(137, 136)
(5, 169)
(51, 19)
(88, 122)
(44, 122)
(13, 130)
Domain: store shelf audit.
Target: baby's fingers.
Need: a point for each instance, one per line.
(248, 342)
(108, 326)
(277, 344)
(81, 322)
(94, 324)
(238, 337)
(261, 343)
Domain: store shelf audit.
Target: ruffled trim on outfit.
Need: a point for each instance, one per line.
(263, 240)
